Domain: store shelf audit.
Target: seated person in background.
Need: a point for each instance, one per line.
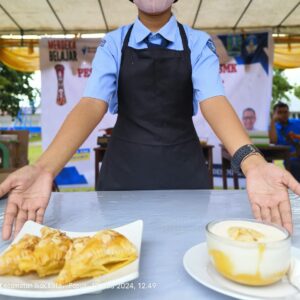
(249, 118)
(285, 131)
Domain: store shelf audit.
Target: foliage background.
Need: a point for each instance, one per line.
(281, 88)
(14, 87)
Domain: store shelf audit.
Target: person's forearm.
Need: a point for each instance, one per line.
(224, 121)
(272, 132)
(79, 123)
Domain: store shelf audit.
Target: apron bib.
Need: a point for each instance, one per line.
(154, 144)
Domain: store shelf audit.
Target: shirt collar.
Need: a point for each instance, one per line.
(168, 31)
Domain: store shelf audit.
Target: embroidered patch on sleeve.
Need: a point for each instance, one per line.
(102, 42)
(210, 44)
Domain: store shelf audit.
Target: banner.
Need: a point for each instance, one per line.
(246, 70)
(65, 66)
(245, 66)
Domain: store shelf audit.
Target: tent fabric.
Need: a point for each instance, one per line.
(44, 17)
(77, 16)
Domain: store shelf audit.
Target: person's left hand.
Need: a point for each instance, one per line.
(267, 187)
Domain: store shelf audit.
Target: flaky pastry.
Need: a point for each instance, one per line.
(50, 252)
(54, 252)
(19, 259)
(105, 252)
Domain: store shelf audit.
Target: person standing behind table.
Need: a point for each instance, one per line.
(249, 119)
(285, 131)
(154, 73)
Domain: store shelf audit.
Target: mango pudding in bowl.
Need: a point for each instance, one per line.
(248, 251)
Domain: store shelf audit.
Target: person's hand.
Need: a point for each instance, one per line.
(275, 117)
(291, 135)
(267, 187)
(294, 136)
(29, 191)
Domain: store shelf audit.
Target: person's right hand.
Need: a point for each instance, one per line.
(29, 191)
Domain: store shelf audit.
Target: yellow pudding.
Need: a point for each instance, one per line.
(248, 251)
(224, 266)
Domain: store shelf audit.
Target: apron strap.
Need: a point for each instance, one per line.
(126, 40)
(184, 39)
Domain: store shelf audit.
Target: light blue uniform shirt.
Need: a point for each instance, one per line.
(103, 82)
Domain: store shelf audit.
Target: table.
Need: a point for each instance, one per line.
(270, 152)
(174, 221)
(207, 152)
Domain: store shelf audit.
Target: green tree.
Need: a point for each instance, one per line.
(281, 87)
(15, 87)
(297, 91)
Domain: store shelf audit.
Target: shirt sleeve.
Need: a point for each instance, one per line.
(102, 83)
(207, 81)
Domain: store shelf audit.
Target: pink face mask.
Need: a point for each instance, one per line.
(153, 6)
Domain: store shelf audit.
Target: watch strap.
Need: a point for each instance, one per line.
(241, 154)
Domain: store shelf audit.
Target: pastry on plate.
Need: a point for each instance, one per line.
(50, 252)
(93, 256)
(19, 258)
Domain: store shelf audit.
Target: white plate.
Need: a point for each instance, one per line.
(196, 262)
(32, 286)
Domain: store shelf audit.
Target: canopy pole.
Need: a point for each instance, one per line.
(11, 18)
(292, 10)
(57, 17)
(242, 15)
(197, 13)
(103, 15)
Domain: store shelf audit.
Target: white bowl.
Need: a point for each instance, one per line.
(255, 263)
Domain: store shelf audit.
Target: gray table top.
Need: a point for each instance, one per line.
(174, 221)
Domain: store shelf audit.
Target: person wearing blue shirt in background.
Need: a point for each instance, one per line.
(154, 73)
(285, 131)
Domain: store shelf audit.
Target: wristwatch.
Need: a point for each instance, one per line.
(241, 154)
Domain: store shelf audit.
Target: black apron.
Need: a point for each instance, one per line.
(154, 144)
